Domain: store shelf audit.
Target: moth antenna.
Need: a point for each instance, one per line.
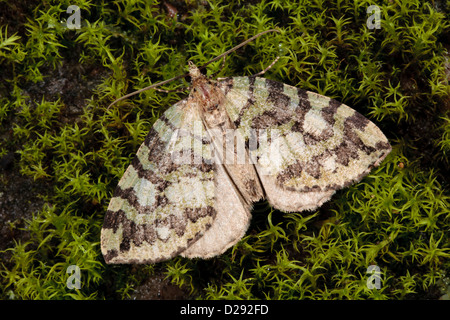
(202, 67)
(238, 46)
(147, 88)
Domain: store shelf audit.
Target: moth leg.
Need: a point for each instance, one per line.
(183, 89)
(265, 70)
(221, 68)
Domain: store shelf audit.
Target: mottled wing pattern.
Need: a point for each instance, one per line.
(178, 197)
(231, 222)
(161, 207)
(307, 145)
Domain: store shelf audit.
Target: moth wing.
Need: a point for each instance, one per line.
(231, 222)
(305, 146)
(163, 203)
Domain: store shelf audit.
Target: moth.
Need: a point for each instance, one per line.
(232, 142)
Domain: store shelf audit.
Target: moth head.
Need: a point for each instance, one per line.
(194, 72)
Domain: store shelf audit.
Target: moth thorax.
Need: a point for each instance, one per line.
(206, 94)
(216, 118)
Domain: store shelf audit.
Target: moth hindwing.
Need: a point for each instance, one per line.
(230, 143)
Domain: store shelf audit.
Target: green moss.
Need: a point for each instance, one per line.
(396, 218)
